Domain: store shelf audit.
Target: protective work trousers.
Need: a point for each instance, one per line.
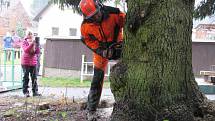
(97, 82)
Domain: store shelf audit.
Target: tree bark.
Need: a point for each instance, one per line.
(154, 80)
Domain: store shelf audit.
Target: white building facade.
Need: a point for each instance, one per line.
(56, 23)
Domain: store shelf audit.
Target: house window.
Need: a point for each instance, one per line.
(72, 31)
(55, 31)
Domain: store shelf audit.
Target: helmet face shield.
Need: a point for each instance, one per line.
(97, 17)
(92, 14)
(89, 8)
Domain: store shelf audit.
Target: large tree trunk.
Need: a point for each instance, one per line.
(154, 79)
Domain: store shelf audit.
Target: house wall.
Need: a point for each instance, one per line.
(200, 34)
(63, 19)
(63, 57)
(203, 55)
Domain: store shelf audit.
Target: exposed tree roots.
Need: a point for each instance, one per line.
(131, 111)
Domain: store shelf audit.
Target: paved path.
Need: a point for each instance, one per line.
(78, 93)
(71, 93)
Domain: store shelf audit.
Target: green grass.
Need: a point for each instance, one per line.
(67, 82)
(16, 62)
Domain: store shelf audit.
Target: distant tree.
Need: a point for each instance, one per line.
(117, 2)
(205, 8)
(154, 80)
(20, 30)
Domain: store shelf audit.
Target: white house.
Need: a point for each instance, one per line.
(57, 23)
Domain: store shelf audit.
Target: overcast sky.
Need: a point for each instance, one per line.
(27, 5)
(197, 2)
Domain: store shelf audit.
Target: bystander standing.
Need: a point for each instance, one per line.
(29, 62)
(16, 44)
(8, 41)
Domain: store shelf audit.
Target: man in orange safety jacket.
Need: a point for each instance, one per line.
(101, 32)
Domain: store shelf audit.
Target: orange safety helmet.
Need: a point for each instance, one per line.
(89, 7)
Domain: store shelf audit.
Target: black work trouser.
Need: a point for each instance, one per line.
(95, 89)
(32, 71)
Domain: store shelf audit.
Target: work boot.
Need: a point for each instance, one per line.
(27, 94)
(91, 116)
(36, 94)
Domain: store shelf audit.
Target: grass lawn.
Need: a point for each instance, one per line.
(16, 62)
(67, 82)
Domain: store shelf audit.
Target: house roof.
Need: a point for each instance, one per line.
(205, 26)
(63, 37)
(203, 40)
(37, 17)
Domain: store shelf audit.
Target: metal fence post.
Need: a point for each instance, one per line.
(21, 75)
(5, 59)
(12, 66)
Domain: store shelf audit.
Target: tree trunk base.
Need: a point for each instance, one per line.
(131, 111)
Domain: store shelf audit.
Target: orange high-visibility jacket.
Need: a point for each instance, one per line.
(96, 35)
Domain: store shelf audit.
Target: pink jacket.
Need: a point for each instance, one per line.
(29, 58)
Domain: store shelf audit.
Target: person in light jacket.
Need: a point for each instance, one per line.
(29, 62)
(8, 42)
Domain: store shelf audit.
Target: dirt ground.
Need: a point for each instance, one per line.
(20, 108)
